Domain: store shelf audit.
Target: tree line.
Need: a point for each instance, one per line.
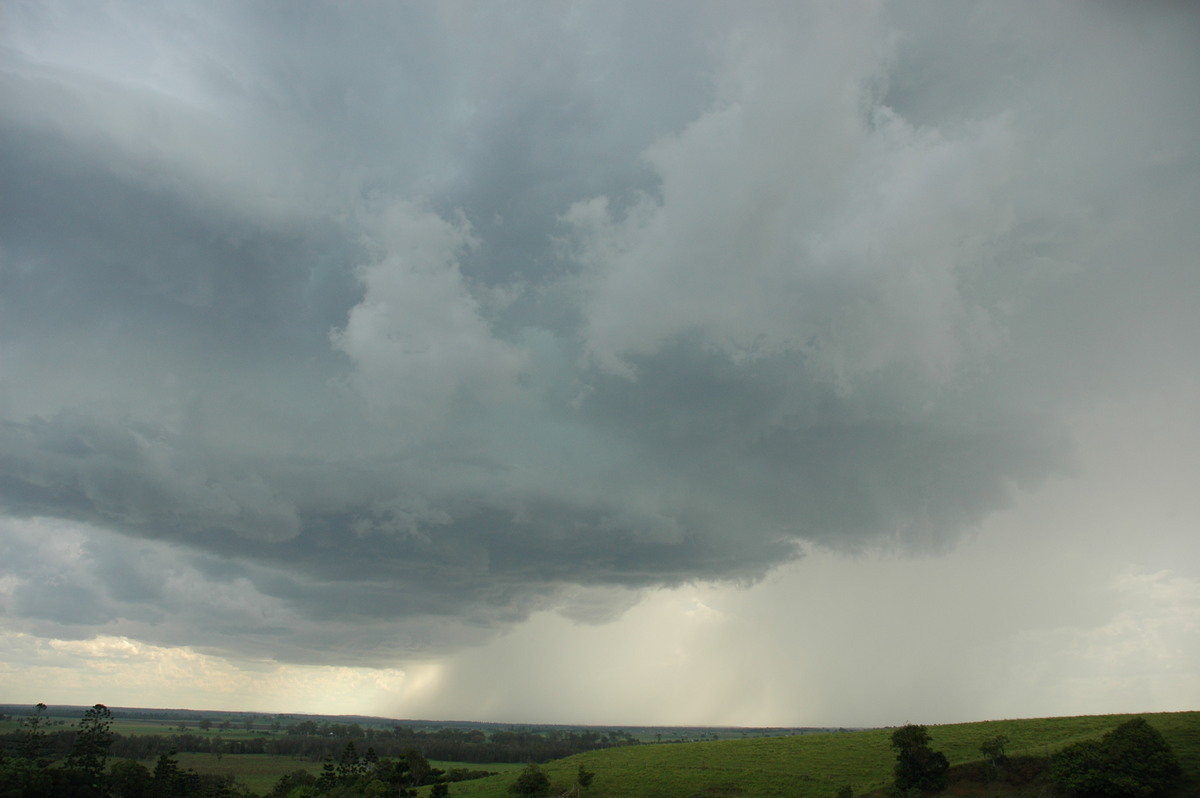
(30, 767)
(93, 761)
(88, 763)
(315, 742)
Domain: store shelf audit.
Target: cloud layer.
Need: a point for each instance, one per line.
(341, 337)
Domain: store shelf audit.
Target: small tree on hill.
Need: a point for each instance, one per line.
(583, 779)
(918, 765)
(993, 749)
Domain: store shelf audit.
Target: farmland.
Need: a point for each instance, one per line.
(650, 763)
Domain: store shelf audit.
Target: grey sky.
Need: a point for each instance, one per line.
(388, 334)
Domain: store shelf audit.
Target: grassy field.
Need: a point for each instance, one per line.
(800, 766)
(816, 766)
(259, 772)
(495, 767)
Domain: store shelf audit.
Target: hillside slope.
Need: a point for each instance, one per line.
(816, 766)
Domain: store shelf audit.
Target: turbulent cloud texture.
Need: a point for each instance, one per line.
(344, 335)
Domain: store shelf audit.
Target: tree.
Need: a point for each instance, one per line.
(89, 753)
(583, 778)
(918, 765)
(349, 767)
(1131, 760)
(292, 782)
(532, 783)
(328, 779)
(993, 749)
(33, 739)
(396, 774)
(169, 781)
(129, 779)
(418, 766)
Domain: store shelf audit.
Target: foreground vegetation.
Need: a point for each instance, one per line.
(993, 758)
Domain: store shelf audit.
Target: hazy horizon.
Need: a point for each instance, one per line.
(674, 363)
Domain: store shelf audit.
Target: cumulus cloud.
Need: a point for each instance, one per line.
(418, 338)
(377, 336)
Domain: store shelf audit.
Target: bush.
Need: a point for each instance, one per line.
(1131, 760)
(532, 783)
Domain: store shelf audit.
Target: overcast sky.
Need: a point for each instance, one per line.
(648, 363)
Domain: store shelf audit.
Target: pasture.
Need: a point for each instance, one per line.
(817, 766)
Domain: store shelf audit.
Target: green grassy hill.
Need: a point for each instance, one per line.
(816, 766)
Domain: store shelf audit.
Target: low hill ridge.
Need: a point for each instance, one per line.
(819, 765)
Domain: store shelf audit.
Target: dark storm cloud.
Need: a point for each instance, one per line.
(374, 331)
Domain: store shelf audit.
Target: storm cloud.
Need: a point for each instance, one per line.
(344, 335)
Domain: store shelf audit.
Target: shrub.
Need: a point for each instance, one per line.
(532, 783)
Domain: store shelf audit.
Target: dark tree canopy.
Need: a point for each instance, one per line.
(1131, 760)
(918, 765)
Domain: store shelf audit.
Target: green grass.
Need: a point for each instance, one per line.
(259, 772)
(494, 767)
(815, 766)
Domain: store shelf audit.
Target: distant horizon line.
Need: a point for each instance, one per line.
(8, 707)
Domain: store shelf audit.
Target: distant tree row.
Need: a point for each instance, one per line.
(460, 745)
(30, 769)
(35, 763)
(317, 741)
